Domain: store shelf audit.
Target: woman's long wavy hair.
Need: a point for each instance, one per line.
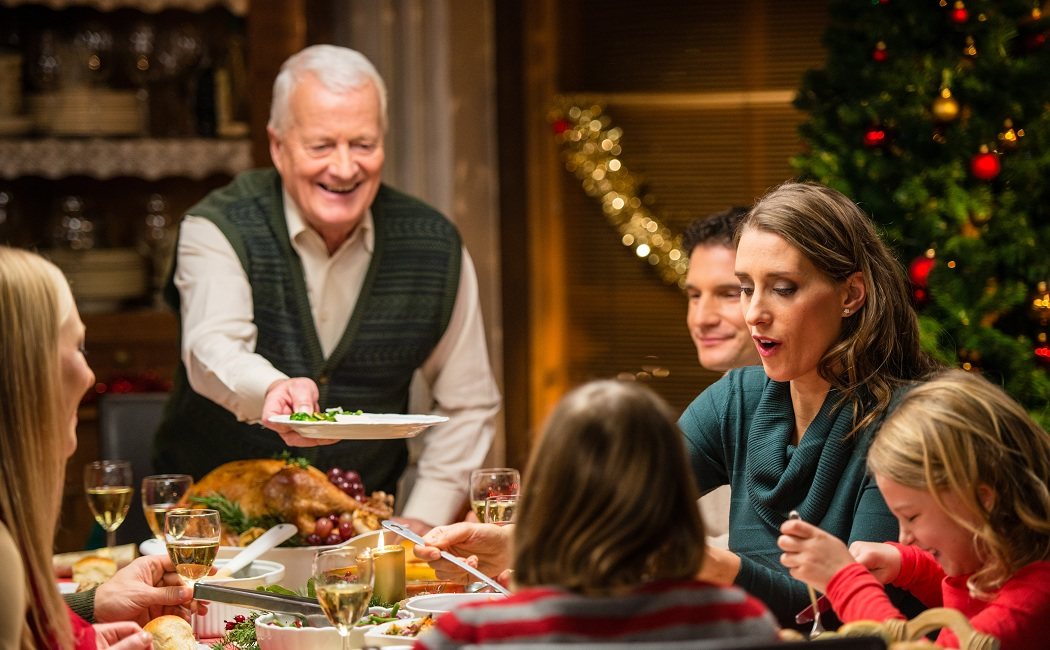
(878, 349)
(609, 501)
(957, 433)
(34, 301)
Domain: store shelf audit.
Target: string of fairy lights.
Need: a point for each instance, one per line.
(590, 146)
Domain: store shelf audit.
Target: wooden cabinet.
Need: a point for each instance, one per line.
(115, 170)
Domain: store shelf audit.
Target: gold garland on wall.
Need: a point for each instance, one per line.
(590, 146)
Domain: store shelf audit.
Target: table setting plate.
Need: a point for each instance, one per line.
(366, 426)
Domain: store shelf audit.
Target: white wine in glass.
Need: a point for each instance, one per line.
(499, 509)
(161, 493)
(489, 482)
(192, 537)
(107, 484)
(343, 580)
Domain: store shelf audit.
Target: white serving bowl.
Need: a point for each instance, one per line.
(298, 560)
(380, 635)
(437, 604)
(285, 637)
(258, 573)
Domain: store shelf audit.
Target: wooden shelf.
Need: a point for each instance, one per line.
(103, 158)
(236, 7)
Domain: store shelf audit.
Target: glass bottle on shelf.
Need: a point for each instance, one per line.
(74, 230)
(157, 243)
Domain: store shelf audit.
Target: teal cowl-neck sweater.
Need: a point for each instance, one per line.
(740, 432)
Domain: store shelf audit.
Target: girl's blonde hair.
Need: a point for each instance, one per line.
(879, 348)
(609, 501)
(34, 302)
(957, 433)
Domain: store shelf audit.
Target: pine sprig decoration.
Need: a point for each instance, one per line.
(990, 230)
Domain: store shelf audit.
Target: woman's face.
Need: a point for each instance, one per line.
(77, 376)
(793, 310)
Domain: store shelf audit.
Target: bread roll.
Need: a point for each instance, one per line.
(92, 571)
(171, 633)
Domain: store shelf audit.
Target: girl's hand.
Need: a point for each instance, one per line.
(811, 555)
(122, 636)
(883, 560)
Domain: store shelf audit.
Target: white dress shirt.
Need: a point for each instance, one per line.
(219, 337)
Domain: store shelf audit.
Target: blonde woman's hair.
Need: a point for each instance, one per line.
(609, 501)
(956, 434)
(878, 350)
(34, 301)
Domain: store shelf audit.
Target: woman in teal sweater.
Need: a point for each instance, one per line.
(829, 309)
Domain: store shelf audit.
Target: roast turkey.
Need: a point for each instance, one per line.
(290, 492)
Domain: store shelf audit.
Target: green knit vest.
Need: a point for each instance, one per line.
(403, 310)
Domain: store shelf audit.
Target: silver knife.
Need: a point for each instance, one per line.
(261, 600)
(409, 535)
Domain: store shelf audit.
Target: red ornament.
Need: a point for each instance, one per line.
(874, 137)
(1042, 355)
(919, 273)
(879, 54)
(959, 15)
(919, 270)
(560, 126)
(985, 166)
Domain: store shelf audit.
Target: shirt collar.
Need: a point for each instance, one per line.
(299, 231)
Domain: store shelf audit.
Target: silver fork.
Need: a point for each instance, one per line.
(818, 628)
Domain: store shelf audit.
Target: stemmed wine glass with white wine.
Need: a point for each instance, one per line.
(161, 493)
(192, 537)
(107, 484)
(343, 580)
(490, 482)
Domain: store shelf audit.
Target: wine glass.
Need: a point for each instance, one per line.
(343, 580)
(488, 482)
(499, 509)
(108, 487)
(161, 493)
(192, 537)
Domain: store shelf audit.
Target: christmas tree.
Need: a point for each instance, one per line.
(935, 117)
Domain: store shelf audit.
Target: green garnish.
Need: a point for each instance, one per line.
(295, 461)
(327, 416)
(241, 635)
(234, 518)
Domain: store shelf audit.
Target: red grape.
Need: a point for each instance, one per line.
(333, 538)
(322, 527)
(313, 539)
(346, 529)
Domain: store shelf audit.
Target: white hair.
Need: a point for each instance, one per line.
(339, 69)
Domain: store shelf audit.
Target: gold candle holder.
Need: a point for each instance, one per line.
(389, 562)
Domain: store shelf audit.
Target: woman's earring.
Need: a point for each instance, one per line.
(845, 312)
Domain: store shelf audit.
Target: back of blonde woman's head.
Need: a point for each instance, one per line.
(609, 501)
(957, 434)
(879, 348)
(34, 301)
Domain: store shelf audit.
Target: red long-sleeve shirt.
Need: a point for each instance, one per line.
(1016, 615)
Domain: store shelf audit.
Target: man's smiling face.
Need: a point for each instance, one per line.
(330, 156)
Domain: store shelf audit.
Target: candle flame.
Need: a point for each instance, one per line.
(380, 540)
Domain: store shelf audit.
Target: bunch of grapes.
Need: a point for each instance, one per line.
(333, 529)
(348, 481)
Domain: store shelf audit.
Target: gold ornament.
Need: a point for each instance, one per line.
(591, 150)
(1039, 309)
(945, 108)
(970, 50)
(1010, 137)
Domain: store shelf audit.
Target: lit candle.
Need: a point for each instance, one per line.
(389, 563)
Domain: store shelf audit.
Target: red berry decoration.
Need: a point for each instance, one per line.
(959, 15)
(919, 274)
(985, 165)
(874, 137)
(879, 54)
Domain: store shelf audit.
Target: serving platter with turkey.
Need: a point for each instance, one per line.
(252, 495)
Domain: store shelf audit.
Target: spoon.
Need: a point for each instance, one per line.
(818, 628)
(262, 543)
